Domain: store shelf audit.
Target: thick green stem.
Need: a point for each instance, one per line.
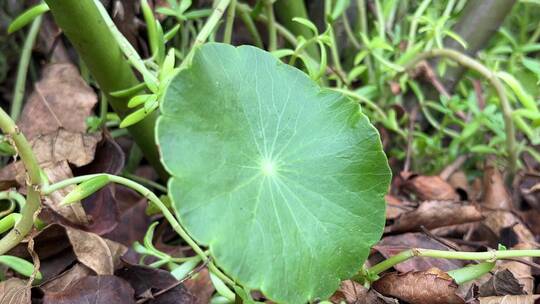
(472, 64)
(285, 11)
(22, 70)
(84, 26)
(25, 224)
(455, 255)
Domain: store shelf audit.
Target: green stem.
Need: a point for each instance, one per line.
(250, 25)
(152, 198)
(455, 255)
(22, 70)
(24, 150)
(380, 20)
(83, 24)
(207, 29)
(414, 23)
(271, 23)
(363, 27)
(227, 36)
(285, 11)
(472, 64)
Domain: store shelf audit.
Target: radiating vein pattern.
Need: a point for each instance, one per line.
(282, 181)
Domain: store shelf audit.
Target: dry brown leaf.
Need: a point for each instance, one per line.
(14, 291)
(496, 222)
(522, 299)
(434, 214)
(351, 292)
(94, 290)
(74, 147)
(495, 194)
(61, 100)
(420, 287)
(522, 272)
(458, 180)
(428, 188)
(395, 207)
(100, 255)
(66, 279)
(501, 283)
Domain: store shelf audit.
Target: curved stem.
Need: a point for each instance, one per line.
(155, 200)
(455, 255)
(22, 70)
(207, 29)
(227, 35)
(414, 23)
(472, 64)
(32, 205)
(271, 23)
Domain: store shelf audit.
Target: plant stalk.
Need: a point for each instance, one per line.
(24, 150)
(22, 70)
(473, 64)
(84, 26)
(478, 22)
(455, 255)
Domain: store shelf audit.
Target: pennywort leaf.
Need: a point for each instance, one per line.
(282, 180)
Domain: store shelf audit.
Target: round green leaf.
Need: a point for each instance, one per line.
(283, 181)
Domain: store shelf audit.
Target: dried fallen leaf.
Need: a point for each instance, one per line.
(501, 283)
(434, 214)
(14, 291)
(100, 255)
(61, 100)
(428, 188)
(420, 287)
(67, 279)
(200, 286)
(74, 147)
(93, 290)
(147, 282)
(395, 207)
(495, 194)
(522, 299)
(351, 292)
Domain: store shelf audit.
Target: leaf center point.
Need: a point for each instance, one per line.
(268, 167)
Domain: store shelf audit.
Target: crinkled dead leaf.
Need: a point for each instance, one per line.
(147, 282)
(61, 100)
(427, 188)
(14, 291)
(395, 207)
(521, 271)
(495, 195)
(74, 147)
(420, 287)
(99, 254)
(351, 292)
(522, 299)
(434, 214)
(201, 287)
(501, 283)
(67, 279)
(93, 290)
